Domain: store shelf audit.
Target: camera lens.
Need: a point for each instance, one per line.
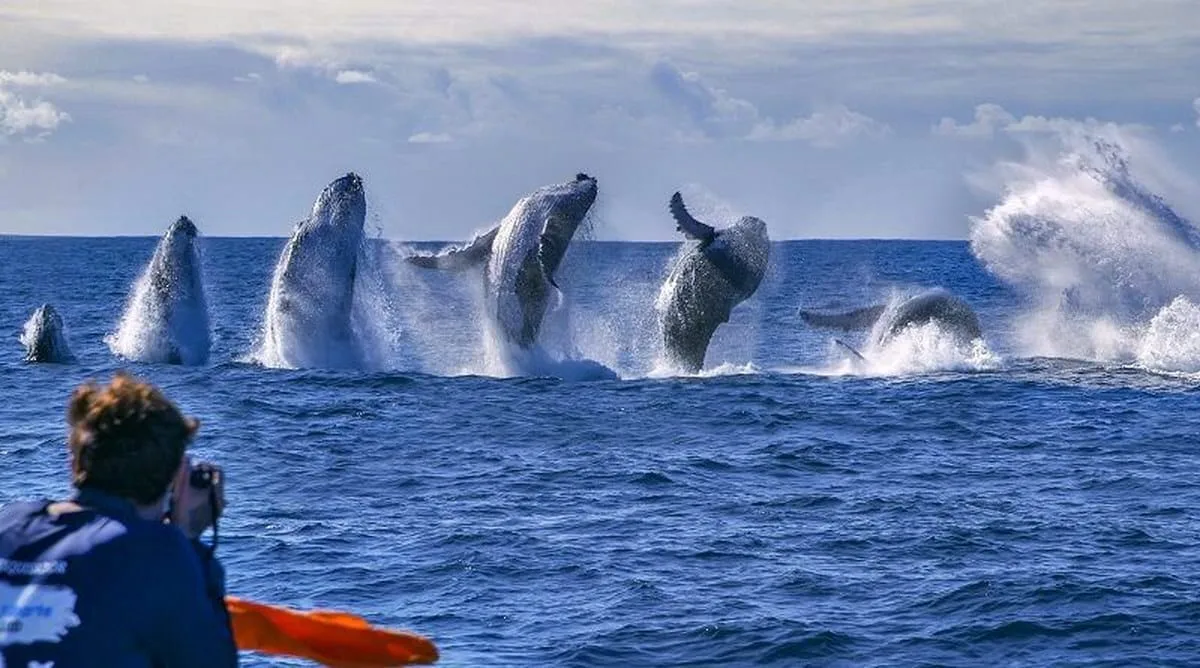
(201, 478)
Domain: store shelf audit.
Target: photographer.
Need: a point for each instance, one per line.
(117, 575)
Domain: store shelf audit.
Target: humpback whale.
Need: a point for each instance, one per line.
(953, 314)
(712, 277)
(521, 255)
(166, 320)
(308, 318)
(44, 338)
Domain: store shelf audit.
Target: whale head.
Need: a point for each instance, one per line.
(342, 202)
(178, 246)
(577, 197)
(46, 318)
(741, 253)
(564, 205)
(183, 227)
(43, 337)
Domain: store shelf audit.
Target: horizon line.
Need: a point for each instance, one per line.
(7, 235)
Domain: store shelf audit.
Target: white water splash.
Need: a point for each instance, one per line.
(1098, 256)
(1171, 342)
(923, 348)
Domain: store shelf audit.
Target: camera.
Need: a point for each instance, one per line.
(200, 478)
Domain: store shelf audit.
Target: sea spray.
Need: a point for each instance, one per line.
(1093, 250)
(918, 348)
(1171, 341)
(166, 317)
(436, 315)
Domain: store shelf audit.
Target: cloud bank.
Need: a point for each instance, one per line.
(813, 116)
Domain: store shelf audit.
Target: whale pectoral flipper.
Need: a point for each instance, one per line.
(463, 257)
(684, 222)
(862, 318)
(849, 347)
(552, 245)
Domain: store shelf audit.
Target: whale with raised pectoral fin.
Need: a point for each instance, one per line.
(721, 270)
(521, 256)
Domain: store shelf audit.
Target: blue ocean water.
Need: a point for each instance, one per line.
(781, 508)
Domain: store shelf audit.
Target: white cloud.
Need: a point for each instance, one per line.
(824, 128)
(141, 78)
(30, 79)
(991, 118)
(429, 138)
(21, 115)
(252, 77)
(1177, 128)
(459, 21)
(988, 118)
(720, 115)
(1196, 106)
(717, 113)
(353, 77)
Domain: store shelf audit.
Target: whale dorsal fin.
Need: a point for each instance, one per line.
(862, 318)
(475, 253)
(684, 222)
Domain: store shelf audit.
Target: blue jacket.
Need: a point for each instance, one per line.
(104, 587)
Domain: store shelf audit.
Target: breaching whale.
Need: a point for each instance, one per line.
(707, 282)
(308, 318)
(953, 315)
(44, 337)
(166, 320)
(521, 255)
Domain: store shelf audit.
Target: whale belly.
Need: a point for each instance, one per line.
(517, 288)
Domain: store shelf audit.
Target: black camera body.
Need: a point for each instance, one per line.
(200, 478)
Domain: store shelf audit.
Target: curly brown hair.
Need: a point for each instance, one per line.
(126, 439)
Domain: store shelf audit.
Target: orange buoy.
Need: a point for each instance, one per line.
(332, 638)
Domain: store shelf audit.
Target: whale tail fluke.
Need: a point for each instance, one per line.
(472, 254)
(684, 222)
(863, 318)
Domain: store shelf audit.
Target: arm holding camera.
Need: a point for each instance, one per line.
(197, 500)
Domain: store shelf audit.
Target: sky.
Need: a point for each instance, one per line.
(857, 119)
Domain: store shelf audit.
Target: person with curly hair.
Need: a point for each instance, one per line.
(117, 574)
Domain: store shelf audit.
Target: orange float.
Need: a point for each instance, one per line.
(331, 638)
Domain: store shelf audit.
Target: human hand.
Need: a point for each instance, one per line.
(192, 509)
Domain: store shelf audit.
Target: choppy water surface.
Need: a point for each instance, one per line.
(784, 507)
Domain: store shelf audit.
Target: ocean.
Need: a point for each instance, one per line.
(1029, 501)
